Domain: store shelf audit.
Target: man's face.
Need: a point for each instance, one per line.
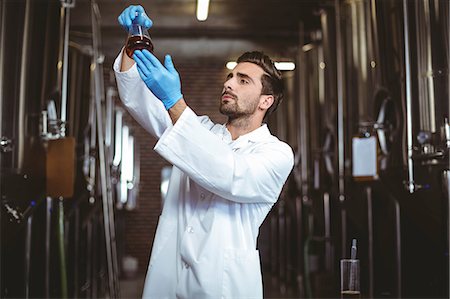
(242, 90)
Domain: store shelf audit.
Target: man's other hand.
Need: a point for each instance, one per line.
(162, 80)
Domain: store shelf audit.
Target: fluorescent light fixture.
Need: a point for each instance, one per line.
(285, 66)
(125, 165)
(202, 9)
(281, 66)
(231, 65)
(118, 139)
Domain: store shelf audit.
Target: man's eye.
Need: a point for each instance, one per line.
(243, 81)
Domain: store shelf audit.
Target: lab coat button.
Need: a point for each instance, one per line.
(202, 196)
(190, 229)
(186, 265)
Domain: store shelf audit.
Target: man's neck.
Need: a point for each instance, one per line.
(241, 126)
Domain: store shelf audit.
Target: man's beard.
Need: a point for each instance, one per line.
(232, 109)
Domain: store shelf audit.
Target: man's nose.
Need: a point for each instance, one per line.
(228, 84)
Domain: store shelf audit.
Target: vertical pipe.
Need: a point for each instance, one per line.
(431, 117)
(446, 187)
(62, 248)
(2, 46)
(370, 238)
(327, 218)
(28, 255)
(409, 130)
(65, 69)
(76, 252)
(95, 252)
(375, 41)
(302, 157)
(299, 229)
(448, 147)
(340, 107)
(304, 120)
(21, 133)
(108, 211)
(398, 247)
(89, 263)
(448, 76)
(48, 221)
(321, 74)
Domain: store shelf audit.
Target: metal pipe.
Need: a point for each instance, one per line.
(108, 211)
(375, 41)
(409, 129)
(89, 261)
(429, 70)
(2, 46)
(446, 185)
(62, 248)
(327, 224)
(304, 120)
(65, 65)
(76, 252)
(398, 247)
(21, 124)
(448, 145)
(370, 238)
(48, 221)
(28, 255)
(340, 107)
(299, 240)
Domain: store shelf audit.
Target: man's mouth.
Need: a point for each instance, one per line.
(226, 96)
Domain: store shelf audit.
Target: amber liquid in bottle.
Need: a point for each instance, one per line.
(138, 42)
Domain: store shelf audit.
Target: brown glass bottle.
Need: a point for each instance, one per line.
(138, 42)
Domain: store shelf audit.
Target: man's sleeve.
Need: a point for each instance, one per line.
(246, 178)
(142, 104)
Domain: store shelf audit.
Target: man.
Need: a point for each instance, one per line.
(225, 178)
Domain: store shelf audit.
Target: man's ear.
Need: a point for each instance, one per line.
(266, 101)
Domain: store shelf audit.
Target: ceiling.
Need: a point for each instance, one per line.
(232, 27)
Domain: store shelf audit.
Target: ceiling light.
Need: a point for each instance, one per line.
(281, 66)
(285, 66)
(231, 64)
(202, 9)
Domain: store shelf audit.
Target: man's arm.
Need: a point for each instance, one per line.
(255, 177)
(127, 62)
(176, 110)
(134, 94)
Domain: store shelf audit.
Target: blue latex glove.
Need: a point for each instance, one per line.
(134, 14)
(162, 80)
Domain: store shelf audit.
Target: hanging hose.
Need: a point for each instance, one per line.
(62, 255)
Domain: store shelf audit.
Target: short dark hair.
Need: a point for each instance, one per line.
(272, 82)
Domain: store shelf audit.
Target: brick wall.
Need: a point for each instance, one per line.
(202, 83)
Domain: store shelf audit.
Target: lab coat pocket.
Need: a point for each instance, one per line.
(242, 274)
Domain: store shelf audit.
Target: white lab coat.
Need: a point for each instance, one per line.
(219, 193)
